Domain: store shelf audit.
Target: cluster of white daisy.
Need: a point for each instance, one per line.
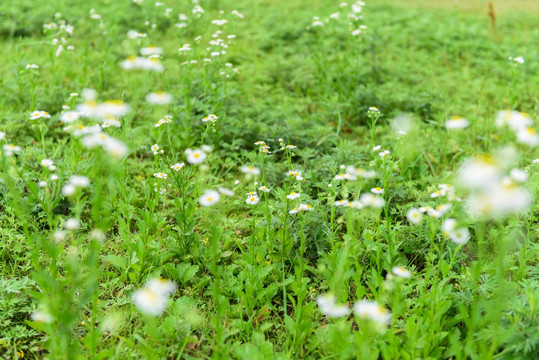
(212, 118)
(167, 119)
(38, 114)
(141, 63)
(262, 147)
(495, 186)
(521, 124)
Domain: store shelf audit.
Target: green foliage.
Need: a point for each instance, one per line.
(251, 278)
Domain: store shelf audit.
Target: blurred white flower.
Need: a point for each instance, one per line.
(159, 98)
(401, 272)
(456, 123)
(71, 224)
(414, 216)
(368, 309)
(209, 198)
(329, 307)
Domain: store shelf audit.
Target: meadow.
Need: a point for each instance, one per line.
(268, 179)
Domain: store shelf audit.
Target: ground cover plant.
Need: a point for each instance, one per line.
(269, 180)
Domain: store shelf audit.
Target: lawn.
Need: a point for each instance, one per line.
(269, 179)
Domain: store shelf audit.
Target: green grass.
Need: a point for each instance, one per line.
(248, 276)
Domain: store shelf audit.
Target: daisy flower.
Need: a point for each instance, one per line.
(209, 198)
(368, 309)
(252, 200)
(293, 195)
(71, 224)
(225, 191)
(341, 203)
(250, 170)
(456, 123)
(159, 98)
(329, 307)
(177, 166)
(195, 156)
(46, 163)
(160, 175)
(39, 114)
(149, 301)
(414, 216)
(401, 272)
(377, 190)
(264, 189)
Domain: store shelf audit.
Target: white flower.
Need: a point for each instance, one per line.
(151, 50)
(479, 172)
(39, 114)
(42, 317)
(514, 119)
(32, 66)
(368, 309)
(54, 177)
(155, 148)
(140, 63)
(46, 162)
(377, 190)
(365, 174)
(210, 197)
(344, 177)
(499, 200)
(225, 191)
(111, 122)
(356, 204)
(115, 148)
(219, 22)
(341, 203)
(42, 183)
(79, 181)
(456, 123)
(293, 195)
(9, 149)
(457, 235)
(59, 235)
(69, 117)
(149, 301)
(401, 272)
(328, 306)
(252, 200)
(528, 136)
(195, 156)
(68, 189)
(250, 170)
(264, 189)
(210, 118)
(161, 286)
(2, 135)
(177, 166)
(519, 175)
(160, 175)
(414, 216)
(71, 224)
(377, 147)
(159, 98)
(518, 59)
(305, 207)
(372, 200)
(384, 153)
